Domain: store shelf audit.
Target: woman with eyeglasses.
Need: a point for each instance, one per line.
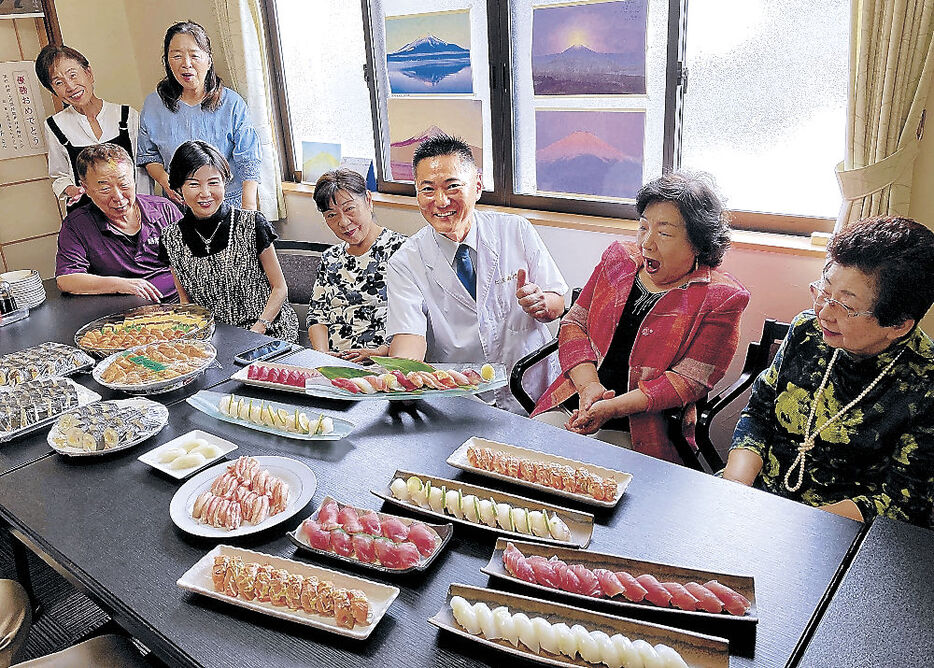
(191, 102)
(843, 419)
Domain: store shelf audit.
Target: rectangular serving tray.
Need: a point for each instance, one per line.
(742, 584)
(580, 524)
(198, 579)
(458, 459)
(698, 650)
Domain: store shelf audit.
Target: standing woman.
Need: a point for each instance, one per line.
(86, 120)
(192, 103)
(223, 257)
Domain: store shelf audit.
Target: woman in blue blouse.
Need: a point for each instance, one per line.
(192, 103)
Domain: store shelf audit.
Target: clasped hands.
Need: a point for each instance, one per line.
(595, 409)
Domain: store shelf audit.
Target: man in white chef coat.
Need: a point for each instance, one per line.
(472, 286)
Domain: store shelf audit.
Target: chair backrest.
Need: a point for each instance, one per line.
(530, 360)
(299, 261)
(759, 356)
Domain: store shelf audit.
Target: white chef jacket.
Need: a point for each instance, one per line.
(77, 129)
(426, 298)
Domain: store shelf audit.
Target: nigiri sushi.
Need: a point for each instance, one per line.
(735, 603)
(526, 631)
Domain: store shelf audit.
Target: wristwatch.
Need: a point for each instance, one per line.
(265, 323)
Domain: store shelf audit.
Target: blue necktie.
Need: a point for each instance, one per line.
(463, 267)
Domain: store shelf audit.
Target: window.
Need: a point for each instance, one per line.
(766, 86)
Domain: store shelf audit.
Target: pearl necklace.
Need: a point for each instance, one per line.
(810, 438)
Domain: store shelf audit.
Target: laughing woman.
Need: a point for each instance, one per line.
(844, 418)
(348, 309)
(223, 257)
(654, 328)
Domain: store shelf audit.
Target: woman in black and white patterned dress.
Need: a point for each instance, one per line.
(347, 311)
(222, 257)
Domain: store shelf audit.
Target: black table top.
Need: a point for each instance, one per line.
(883, 612)
(107, 522)
(61, 315)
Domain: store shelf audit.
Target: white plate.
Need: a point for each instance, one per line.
(458, 459)
(157, 410)
(300, 479)
(19, 275)
(198, 579)
(331, 392)
(152, 456)
(206, 401)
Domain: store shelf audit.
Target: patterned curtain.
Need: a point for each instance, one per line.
(244, 39)
(891, 67)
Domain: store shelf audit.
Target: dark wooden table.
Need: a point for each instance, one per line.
(106, 521)
(883, 612)
(61, 315)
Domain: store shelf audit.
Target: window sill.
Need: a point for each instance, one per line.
(764, 241)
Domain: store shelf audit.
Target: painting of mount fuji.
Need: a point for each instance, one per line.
(596, 153)
(412, 121)
(429, 53)
(594, 48)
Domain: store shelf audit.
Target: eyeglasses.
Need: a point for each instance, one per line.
(822, 297)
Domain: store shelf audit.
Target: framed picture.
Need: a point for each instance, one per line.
(429, 53)
(595, 153)
(20, 9)
(590, 48)
(318, 158)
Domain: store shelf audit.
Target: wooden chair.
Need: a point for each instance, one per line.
(759, 356)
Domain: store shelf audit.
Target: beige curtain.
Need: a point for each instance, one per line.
(244, 39)
(891, 66)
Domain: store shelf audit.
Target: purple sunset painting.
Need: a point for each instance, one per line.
(596, 153)
(590, 49)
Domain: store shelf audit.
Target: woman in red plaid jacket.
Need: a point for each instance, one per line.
(654, 328)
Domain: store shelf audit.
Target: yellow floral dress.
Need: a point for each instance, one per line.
(879, 454)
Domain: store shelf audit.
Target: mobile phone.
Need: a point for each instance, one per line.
(263, 352)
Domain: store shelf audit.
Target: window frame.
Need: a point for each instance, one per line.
(500, 55)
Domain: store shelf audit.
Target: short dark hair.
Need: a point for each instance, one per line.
(169, 89)
(50, 55)
(329, 183)
(899, 254)
(695, 195)
(192, 156)
(97, 153)
(443, 144)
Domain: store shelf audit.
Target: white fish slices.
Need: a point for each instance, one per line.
(480, 511)
(539, 635)
(244, 492)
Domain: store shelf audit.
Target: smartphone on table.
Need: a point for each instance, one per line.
(263, 352)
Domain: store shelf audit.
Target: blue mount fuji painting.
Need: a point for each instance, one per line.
(430, 65)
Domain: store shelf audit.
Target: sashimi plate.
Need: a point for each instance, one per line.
(301, 480)
(388, 364)
(444, 532)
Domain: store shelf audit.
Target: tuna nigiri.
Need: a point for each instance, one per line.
(590, 586)
(516, 564)
(327, 516)
(407, 384)
(387, 552)
(341, 543)
(364, 548)
(544, 571)
(425, 539)
(706, 600)
(408, 555)
(735, 604)
(348, 519)
(634, 591)
(680, 597)
(317, 537)
(395, 530)
(655, 592)
(345, 384)
(371, 524)
(609, 583)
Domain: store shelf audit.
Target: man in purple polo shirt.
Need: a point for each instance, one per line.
(112, 244)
